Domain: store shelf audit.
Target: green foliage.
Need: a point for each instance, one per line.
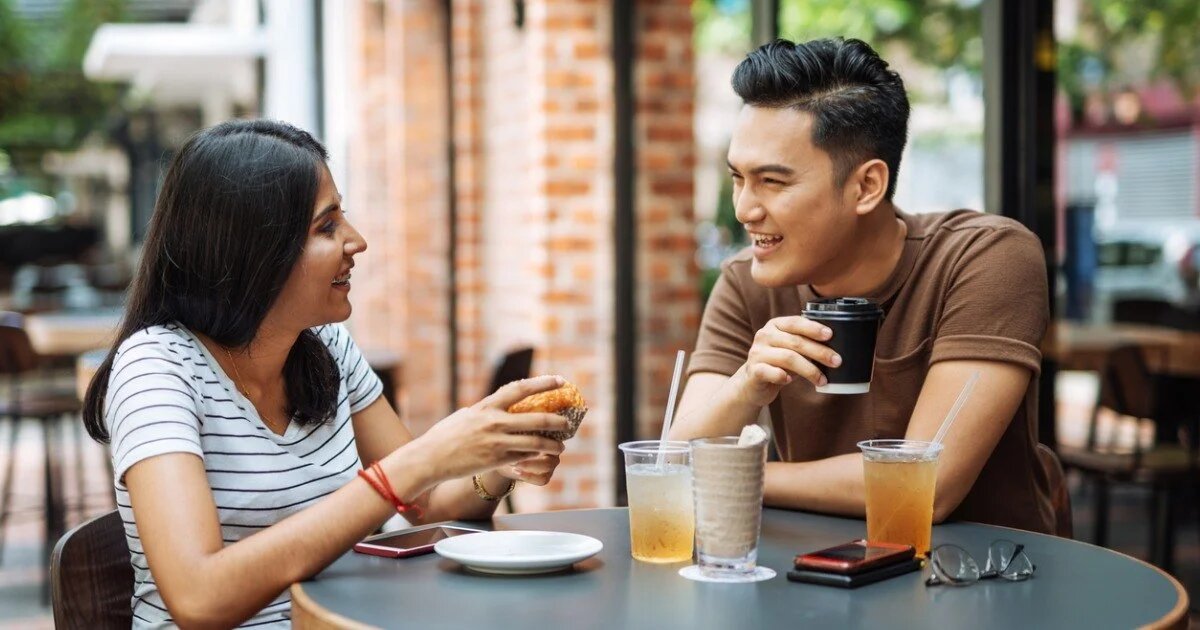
(46, 103)
(947, 33)
(1098, 54)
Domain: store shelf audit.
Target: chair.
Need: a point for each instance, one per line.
(513, 366)
(91, 580)
(1060, 496)
(1139, 311)
(1128, 388)
(19, 362)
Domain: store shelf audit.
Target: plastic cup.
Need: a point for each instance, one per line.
(900, 476)
(661, 518)
(728, 488)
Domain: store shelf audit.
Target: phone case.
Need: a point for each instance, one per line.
(856, 580)
(815, 561)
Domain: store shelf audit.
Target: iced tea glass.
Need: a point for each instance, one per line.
(900, 476)
(662, 523)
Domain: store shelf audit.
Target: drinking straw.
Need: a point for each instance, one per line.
(962, 398)
(662, 442)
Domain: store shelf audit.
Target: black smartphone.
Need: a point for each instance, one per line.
(854, 557)
(409, 542)
(856, 580)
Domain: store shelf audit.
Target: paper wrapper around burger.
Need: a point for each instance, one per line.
(565, 401)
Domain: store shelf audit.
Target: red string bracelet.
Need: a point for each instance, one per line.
(379, 481)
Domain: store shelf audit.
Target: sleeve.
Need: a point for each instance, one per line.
(362, 384)
(150, 408)
(726, 332)
(997, 305)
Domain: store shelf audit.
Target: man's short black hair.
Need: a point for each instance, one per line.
(859, 106)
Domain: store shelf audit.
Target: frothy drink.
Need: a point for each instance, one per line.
(727, 479)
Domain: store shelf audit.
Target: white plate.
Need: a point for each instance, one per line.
(518, 552)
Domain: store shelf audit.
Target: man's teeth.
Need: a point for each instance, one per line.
(766, 241)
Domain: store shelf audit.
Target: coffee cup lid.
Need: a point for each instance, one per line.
(854, 305)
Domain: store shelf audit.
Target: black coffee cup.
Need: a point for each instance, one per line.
(855, 325)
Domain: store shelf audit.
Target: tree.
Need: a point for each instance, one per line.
(46, 103)
(1163, 34)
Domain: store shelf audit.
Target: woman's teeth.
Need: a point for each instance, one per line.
(342, 279)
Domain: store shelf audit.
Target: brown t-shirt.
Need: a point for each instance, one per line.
(968, 286)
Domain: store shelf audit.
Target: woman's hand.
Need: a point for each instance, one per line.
(484, 436)
(786, 347)
(536, 471)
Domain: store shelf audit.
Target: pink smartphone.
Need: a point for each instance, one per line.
(409, 542)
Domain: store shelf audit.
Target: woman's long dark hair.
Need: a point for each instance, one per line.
(231, 221)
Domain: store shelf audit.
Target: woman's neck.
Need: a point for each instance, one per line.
(258, 367)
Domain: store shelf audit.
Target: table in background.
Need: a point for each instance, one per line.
(1076, 585)
(1076, 346)
(71, 333)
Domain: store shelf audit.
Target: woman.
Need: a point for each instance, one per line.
(240, 411)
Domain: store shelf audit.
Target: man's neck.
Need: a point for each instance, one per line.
(871, 259)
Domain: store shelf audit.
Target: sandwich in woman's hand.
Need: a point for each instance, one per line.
(565, 401)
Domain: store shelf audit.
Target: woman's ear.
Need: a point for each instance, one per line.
(872, 179)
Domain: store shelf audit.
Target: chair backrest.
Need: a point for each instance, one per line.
(513, 366)
(1142, 311)
(1060, 496)
(17, 355)
(1126, 384)
(91, 580)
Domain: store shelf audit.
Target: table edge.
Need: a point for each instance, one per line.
(300, 598)
(1174, 618)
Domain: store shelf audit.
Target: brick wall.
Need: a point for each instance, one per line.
(668, 297)
(533, 153)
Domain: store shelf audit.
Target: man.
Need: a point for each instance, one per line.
(814, 159)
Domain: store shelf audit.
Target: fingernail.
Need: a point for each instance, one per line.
(826, 332)
(823, 381)
(560, 380)
(835, 360)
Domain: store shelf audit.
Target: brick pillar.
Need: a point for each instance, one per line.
(397, 195)
(533, 153)
(571, 140)
(467, 41)
(667, 278)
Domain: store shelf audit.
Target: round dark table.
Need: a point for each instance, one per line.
(1076, 586)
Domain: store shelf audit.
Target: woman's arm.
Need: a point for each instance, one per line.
(205, 583)
(378, 431)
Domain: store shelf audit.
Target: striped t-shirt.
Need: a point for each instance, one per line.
(166, 394)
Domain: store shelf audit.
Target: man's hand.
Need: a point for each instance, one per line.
(785, 348)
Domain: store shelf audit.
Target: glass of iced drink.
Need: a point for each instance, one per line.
(728, 490)
(900, 476)
(662, 524)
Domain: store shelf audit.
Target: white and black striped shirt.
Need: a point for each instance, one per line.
(166, 394)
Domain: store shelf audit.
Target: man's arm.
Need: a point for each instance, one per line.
(784, 349)
(835, 485)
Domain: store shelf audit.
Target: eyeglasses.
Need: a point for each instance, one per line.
(952, 564)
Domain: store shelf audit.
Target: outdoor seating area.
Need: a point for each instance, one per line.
(518, 313)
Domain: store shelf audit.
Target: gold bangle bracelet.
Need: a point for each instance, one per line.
(477, 481)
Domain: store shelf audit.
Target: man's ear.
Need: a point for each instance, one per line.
(870, 181)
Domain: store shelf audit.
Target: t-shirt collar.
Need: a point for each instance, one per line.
(890, 287)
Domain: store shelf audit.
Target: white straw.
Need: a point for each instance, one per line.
(962, 398)
(662, 443)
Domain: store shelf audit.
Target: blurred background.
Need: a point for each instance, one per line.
(542, 183)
